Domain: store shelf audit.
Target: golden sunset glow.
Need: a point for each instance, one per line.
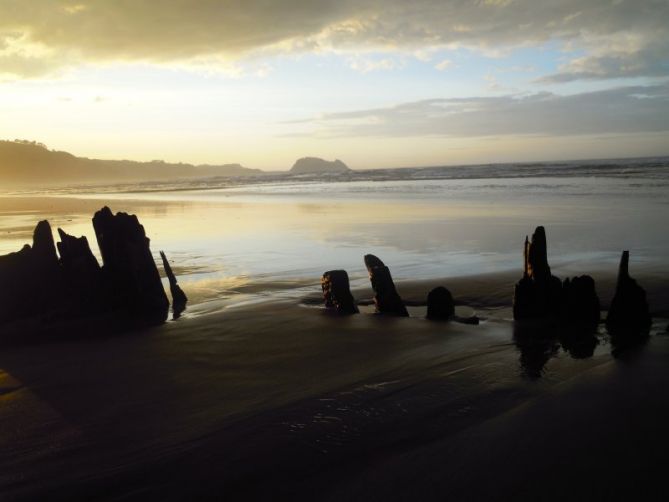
(378, 84)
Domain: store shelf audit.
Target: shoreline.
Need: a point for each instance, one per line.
(487, 295)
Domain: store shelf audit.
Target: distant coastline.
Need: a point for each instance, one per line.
(28, 164)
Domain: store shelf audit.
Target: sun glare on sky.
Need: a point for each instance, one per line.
(377, 84)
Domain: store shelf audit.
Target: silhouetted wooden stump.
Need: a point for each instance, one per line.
(35, 283)
(628, 314)
(337, 292)
(440, 306)
(386, 299)
(580, 303)
(179, 298)
(82, 274)
(30, 278)
(44, 249)
(76, 255)
(17, 283)
(538, 293)
(45, 271)
(128, 265)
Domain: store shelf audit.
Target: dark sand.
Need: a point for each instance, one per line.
(271, 400)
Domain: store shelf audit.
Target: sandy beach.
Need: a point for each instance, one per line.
(257, 392)
(320, 250)
(278, 399)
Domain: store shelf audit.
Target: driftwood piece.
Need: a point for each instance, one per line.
(30, 278)
(440, 306)
(580, 303)
(386, 298)
(82, 274)
(44, 249)
(179, 298)
(36, 283)
(337, 292)
(128, 265)
(45, 271)
(538, 293)
(628, 313)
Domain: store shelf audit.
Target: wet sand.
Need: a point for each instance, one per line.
(278, 399)
(257, 393)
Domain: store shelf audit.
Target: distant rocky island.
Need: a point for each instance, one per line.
(29, 162)
(314, 165)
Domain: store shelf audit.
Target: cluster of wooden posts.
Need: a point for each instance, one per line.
(42, 283)
(538, 294)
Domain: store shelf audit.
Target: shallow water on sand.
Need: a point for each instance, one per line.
(283, 234)
(278, 400)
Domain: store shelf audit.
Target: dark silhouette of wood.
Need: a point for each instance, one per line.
(179, 298)
(45, 271)
(386, 298)
(36, 283)
(337, 292)
(17, 285)
(44, 249)
(82, 274)
(538, 293)
(440, 306)
(75, 253)
(628, 314)
(128, 265)
(29, 278)
(580, 303)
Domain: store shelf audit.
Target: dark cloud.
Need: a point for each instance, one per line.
(620, 37)
(636, 109)
(648, 59)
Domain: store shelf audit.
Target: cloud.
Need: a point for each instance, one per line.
(621, 38)
(647, 56)
(444, 64)
(637, 109)
(492, 84)
(18, 56)
(368, 64)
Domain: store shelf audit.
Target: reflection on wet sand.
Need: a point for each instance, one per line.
(425, 229)
(537, 343)
(540, 341)
(580, 343)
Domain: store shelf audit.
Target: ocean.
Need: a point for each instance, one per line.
(229, 236)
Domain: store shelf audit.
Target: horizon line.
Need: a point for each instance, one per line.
(426, 166)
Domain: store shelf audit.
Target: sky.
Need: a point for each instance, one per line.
(375, 83)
